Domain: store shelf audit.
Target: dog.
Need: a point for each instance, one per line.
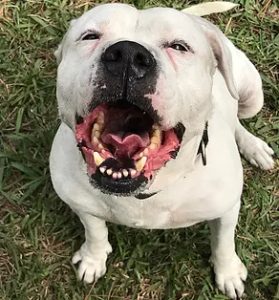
(150, 102)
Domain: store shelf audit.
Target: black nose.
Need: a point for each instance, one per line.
(128, 58)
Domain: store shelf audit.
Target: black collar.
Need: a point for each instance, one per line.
(203, 144)
(201, 150)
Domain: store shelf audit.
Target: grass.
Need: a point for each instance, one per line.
(38, 232)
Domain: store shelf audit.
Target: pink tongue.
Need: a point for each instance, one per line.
(128, 145)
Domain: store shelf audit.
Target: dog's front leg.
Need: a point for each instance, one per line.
(93, 253)
(230, 272)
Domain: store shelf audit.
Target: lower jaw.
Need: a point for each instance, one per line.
(123, 187)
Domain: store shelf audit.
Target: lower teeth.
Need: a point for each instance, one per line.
(118, 174)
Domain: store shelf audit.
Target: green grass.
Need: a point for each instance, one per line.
(38, 232)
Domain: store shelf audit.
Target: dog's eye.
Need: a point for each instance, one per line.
(91, 36)
(180, 47)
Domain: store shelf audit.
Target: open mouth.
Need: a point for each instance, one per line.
(123, 146)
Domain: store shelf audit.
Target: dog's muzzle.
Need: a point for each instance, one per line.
(121, 138)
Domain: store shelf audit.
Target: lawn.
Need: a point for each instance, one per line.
(38, 232)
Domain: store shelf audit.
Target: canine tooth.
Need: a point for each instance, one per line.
(109, 171)
(97, 158)
(157, 133)
(97, 133)
(156, 139)
(133, 172)
(140, 163)
(145, 152)
(119, 175)
(125, 173)
(115, 175)
(103, 169)
(96, 127)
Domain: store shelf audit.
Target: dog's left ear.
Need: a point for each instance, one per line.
(217, 41)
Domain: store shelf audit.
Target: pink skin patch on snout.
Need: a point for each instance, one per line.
(171, 53)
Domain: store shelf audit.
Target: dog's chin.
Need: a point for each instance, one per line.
(124, 146)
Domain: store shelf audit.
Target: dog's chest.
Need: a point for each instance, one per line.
(162, 211)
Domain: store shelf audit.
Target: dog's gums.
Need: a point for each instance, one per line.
(122, 142)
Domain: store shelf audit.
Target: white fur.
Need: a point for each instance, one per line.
(194, 89)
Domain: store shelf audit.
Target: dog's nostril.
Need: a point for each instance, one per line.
(142, 60)
(113, 56)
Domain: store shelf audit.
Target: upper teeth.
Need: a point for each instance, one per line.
(156, 138)
(97, 130)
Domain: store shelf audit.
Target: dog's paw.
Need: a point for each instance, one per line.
(258, 153)
(92, 264)
(230, 276)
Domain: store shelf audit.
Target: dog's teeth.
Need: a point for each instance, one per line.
(156, 138)
(119, 175)
(125, 173)
(115, 175)
(97, 133)
(133, 172)
(103, 169)
(141, 163)
(96, 127)
(157, 133)
(97, 158)
(109, 171)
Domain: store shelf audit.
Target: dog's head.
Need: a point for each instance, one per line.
(131, 84)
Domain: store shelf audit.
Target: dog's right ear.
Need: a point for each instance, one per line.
(58, 53)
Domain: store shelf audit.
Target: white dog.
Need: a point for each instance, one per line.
(152, 99)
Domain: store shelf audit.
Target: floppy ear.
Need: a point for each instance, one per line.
(217, 41)
(58, 53)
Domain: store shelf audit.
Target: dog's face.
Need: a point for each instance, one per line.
(131, 84)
